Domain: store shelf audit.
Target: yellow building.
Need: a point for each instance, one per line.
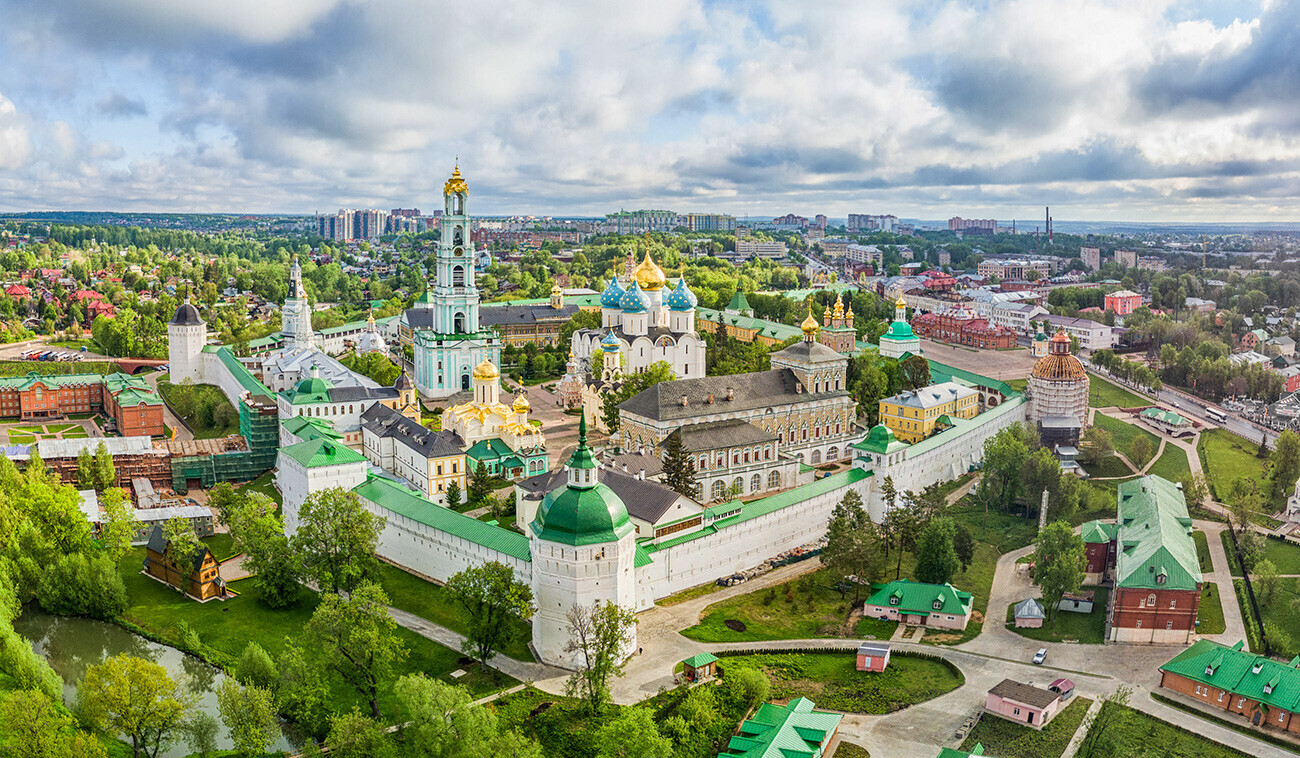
(913, 416)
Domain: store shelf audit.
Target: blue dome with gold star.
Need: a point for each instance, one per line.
(681, 298)
(612, 295)
(634, 300)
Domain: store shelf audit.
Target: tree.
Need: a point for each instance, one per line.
(32, 726)
(256, 526)
(1265, 582)
(182, 543)
(352, 735)
(916, 372)
(1195, 490)
(749, 686)
(1058, 564)
(356, 639)
(1276, 637)
(599, 635)
(442, 721)
(301, 693)
(249, 715)
(118, 527)
(336, 540)
(77, 585)
(936, 558)
(853, 544)
(105, 474)
(633, 735)
(1096, 445)
(85, 470)
(201, 733)
(256, 668)
(1285, 460)
(904, 524)
(1250, 549)
(889, 494)
(480, 484)
(679, 466)
(1141, 451)
(453, 494)
(496, 601)
(134, 697)
(964, 545)
(1099, 735)
(1064, 499)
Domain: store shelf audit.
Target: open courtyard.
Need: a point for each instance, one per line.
(25, 433)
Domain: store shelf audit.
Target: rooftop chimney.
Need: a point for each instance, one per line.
(709, 399)
(731, 393)
(684, 402)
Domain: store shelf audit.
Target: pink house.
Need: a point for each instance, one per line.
(873, 656)
(1023, 703)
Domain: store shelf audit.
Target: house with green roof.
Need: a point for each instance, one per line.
(941, 606)
(1167, 421)
(794, 730)
(1263, 691)
(975, 752)
(1151, 556)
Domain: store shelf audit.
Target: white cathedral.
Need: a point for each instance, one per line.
(651, 321)
(449, 340)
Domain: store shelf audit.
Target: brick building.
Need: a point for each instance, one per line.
(1151, 556)
(963, 326)
(1123, 302)
(1260, 690)
(130, 402)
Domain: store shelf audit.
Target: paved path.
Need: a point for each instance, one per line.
(1080, 733)
(1234, 627)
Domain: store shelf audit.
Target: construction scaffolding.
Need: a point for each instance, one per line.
(237, 458)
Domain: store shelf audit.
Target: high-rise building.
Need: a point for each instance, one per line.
(709, 222)
(958, 224)
(820, 221)
(1126, 258)
(1091, 257)
(636, 222)
(863, 222)
(406, 212)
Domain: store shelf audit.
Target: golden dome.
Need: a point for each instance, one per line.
(455, 184)
(486, 370)
(521, 403)
(839, 305)
(649, 275)
(900, 303)
(826, 316)
(809, 325)
(848, 314)
(555, 289)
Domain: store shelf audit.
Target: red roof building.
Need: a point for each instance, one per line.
(17, 290)
(962, 326)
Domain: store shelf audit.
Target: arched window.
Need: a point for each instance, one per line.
(746, 456)
(738, 485)
(352, 409)
(704, 462)
(459, 325)
(815, 457)
(756, 483)
(458, 236)
(458, 276)
(718, 490)
(774, 480)
(832, 454)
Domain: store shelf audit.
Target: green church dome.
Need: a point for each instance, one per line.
(900, 330)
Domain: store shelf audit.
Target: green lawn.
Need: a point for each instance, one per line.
(1087, 628)
(690, 594)
(222, 545)
(1104, 394)
(1019, 385)
(1285, 613)
(431, 601)
(1210, 616)
(1003, 531)
(1225, 456)
(1203, 551)
(801, 608)
(849, 750)
(1109, 467)
(1138, 735)
(226, 628)
(203, 407)
(1172, 464)
(1125, 434)
(832, 681)
(1006, 739)
(1284, 555)
(265, 484)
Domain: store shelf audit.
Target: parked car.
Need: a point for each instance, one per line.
(1041, 655)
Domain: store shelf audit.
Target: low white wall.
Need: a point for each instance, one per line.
(434, 553)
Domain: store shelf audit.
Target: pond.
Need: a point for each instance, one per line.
(71, 645)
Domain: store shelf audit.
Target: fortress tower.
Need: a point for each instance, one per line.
(187, 333)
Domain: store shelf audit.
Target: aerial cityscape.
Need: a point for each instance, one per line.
(677, 380)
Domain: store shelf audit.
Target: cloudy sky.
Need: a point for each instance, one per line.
(1127, 110)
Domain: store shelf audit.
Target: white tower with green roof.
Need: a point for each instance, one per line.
(583, 546)
(899, 339)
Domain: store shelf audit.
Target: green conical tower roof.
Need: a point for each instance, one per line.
(584, 511)
(738, 302)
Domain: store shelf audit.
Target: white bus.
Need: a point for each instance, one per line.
(1216, 415)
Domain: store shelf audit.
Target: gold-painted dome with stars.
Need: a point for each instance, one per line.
(486, 370)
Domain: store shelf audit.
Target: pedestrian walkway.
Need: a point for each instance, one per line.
(1221, 575)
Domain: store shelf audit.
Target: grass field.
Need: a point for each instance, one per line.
(1086, 628)
(431, 601)
(1172, 464)
(1136, 735)
(1225, 456)
(1104, 394)
(832, 681)
(1284, 555)
(203, 408)
(1108, 467)
(1007, 739)
(226, 628)
(1019, 385)
(1125, 434)
(1285, 613)
(1210, 616)
(1202, 550)
(222, 545)
(265, 484)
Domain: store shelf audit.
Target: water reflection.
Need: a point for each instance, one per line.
(73, 644)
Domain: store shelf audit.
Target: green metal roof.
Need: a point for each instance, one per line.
(1097, 532)
(582, 516)
(1233, 669)
(313, 389)
(311, 428)
(918, 597)
(642, 557)
(135, 396)
(487, 450)
(241, 373)
(391, 496)
(940, 372)
(1155, 537)
(738, 302)
(880, 440)
(1168, 417)
(700, 659)
(322, 452)
(784, 731)
(976, 752)
(899, 330)
(770, 329)
(961, 425)
(51, 380)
